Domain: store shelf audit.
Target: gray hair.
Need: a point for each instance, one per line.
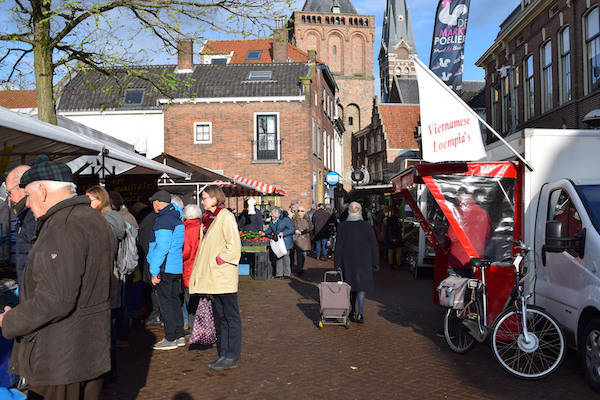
(191, 211)
(177, 200)
(354, 208)
(275, 209)
(56, 186)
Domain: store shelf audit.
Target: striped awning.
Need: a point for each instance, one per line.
(268, 190)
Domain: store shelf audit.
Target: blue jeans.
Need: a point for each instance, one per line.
(357, 297)
(321, 247)
(228, 324)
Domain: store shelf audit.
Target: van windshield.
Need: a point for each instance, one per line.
(590, 195)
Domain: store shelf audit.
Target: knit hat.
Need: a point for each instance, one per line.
(45, 170)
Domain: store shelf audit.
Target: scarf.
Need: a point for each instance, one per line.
(208, 217)
(354, 217)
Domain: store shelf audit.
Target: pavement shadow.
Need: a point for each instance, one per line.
(133, 364)
(183, 396)
(306, 287)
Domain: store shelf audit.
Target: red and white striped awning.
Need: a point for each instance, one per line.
(265, 188)
(249, 187)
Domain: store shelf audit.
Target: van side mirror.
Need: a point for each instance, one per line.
(555, 237)
(557, 242)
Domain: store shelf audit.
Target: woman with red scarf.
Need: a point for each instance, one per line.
(215, 273)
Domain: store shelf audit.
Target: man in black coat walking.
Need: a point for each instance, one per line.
(356, 252)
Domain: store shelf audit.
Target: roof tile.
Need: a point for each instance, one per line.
(18, 99)
(240, 49)
(399, 122)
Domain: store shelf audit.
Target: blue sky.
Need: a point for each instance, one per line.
(484, 19)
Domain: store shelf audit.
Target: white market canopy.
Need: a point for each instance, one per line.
(23, 138)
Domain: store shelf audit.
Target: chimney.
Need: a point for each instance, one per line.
(280, 42)
(185, 55)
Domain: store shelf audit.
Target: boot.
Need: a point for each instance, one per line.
(359, 319)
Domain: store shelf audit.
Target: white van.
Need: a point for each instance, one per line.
(562, 226)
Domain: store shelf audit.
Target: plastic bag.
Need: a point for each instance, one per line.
(278, 247)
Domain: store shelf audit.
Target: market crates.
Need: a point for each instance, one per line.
(244, 269)
(261, 268)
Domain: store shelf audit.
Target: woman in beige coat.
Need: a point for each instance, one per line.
(215, 272)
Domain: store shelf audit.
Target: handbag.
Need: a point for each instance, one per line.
(204, 331)
(278, 247)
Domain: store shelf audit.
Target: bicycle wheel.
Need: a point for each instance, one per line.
(456, 334)
(536, 359)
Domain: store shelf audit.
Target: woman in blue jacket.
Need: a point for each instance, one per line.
(282, 226)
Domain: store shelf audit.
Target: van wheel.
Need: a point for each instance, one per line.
(591, 354)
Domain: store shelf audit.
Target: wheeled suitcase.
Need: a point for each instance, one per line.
(334, 299)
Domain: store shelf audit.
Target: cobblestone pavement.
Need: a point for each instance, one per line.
(394, 355)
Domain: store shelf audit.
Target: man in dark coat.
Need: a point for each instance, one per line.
(356, 252)
(320, 220)
(25, 227)
(61, 326)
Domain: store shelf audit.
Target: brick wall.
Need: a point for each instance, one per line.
(231, 149)
(526, 41)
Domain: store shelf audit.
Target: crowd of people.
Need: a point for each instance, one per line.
(82, 259)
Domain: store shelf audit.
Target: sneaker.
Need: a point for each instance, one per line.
(180, 342)
(212, 364)
(165, 345)
(359, 319)
(223, 364)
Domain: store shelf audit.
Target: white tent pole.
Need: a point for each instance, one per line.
(457, 98)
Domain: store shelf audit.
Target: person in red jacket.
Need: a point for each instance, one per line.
(192, 219)
(475, 222)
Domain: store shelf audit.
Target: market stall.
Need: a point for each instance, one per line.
(475, 208)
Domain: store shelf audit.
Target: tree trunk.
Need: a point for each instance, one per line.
(42, 62)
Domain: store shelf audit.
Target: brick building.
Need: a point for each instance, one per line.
(543, 69)
(343, 40)
(384, 146)
(273, 122)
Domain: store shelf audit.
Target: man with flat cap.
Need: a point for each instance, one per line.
(61, 326)
(166, 265)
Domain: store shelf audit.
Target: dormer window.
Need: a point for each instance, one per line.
(335, 7)
(253, 55)
(133, 96)
(218, 61)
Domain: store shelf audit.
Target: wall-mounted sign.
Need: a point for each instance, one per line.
(333, 178)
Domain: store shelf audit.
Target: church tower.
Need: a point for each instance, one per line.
(397, 45)
(343, 40)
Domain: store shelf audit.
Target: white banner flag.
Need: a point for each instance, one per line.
(449, 128)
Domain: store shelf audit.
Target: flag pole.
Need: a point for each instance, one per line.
(461, 101)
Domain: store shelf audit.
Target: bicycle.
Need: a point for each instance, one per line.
(530, 348)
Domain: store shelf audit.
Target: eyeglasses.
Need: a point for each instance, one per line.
(9, 191)
(301, 211)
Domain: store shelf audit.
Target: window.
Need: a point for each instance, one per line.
(506, 104)
(133, 96)
(267, 137)
(202, 133)
(561, 208)
(565, 65)
(318, 141)
(350, 121)
(253, 55)
(546, 59)
(494, 103)
(592, 47)
(529, 88)
(260, 75)
(218, 61)
(334, 49)
(314, 136)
